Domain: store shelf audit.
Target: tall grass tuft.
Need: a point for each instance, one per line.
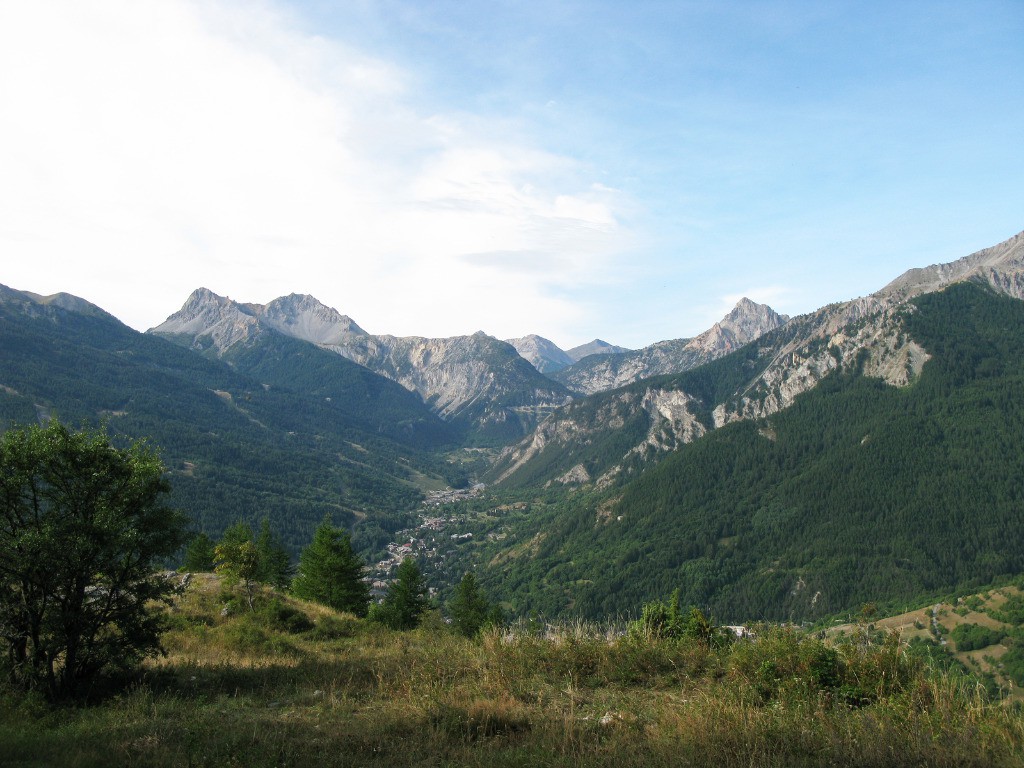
(291, 683)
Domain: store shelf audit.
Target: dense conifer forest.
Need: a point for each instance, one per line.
(859, 491)
(236, 446)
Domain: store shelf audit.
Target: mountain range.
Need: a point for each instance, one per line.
(770, 466)
(859, 491)
(492, 391)
(477, 383)
(336, 440)
(599, 373)
(548, 358)
(601, 436)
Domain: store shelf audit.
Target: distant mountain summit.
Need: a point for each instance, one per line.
(303, 317)
(542, 354)
(34, 303)
(747, 321)
(595, 347)
(476, 381)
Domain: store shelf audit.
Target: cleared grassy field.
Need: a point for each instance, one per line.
(937, 623)
(295, 684)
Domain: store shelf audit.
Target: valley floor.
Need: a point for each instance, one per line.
(294, 684)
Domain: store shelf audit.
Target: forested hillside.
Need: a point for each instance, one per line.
(859, 491)
(340, 440)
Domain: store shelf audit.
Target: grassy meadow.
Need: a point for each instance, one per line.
(294, 684)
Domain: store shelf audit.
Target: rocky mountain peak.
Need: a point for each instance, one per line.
(306, 318)
(464, 377)
(542, 354)
(601, 371)
(216, 319)
(747, 321)
(595, 347)
(202, 298)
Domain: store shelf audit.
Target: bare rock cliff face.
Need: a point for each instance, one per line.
(1001, 266)
(836, 336)
(831, 339)
(306, 318)
(461, 372)
(669, 417)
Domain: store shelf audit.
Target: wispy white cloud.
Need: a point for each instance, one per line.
(571, 170)
(151, 147)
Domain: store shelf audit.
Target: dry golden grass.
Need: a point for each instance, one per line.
(297, 684)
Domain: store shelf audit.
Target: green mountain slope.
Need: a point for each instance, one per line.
(368, 401)
(858, 491)
(237, 446)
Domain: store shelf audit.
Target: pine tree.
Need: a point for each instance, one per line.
(275, 565)
(469, 609)
(199, 554)
(331, 573)
(406, 599)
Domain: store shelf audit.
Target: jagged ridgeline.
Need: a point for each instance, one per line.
(304, 433)
(485, 393)
(858, 491)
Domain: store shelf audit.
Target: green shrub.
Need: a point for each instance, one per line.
(1013, 665)
(783, 664)
(283, 617)
(1010, 612)
(333, 628)
(660, 620)
(971, 637)
(248, 635)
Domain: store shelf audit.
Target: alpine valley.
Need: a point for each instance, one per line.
(770, 467)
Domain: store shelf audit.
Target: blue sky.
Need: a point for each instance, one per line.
(573, 169)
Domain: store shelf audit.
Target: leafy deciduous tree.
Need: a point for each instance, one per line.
(237, 558)
(83, 525)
